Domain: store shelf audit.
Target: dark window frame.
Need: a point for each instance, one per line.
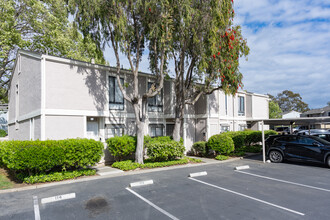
(241, 105)
(112, 94)
(155, 126)
(153, 102)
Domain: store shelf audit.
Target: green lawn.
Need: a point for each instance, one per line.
(5, 183)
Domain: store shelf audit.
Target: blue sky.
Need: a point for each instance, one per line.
(289, 44)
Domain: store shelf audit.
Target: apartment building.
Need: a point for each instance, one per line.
(57, 98)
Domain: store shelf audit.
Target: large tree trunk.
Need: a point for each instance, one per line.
(140, 142)
(177, 129)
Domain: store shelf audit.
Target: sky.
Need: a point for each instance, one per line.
(289, 43)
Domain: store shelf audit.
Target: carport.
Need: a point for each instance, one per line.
(307, 121)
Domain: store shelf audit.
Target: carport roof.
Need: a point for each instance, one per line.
(296, 121)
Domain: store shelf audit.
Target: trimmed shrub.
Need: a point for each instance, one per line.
(162, 150)
(238, 138)
(3, 133)
(121, 147)
(200, 148)
(253, 137)
(43, 156)
(221, 143)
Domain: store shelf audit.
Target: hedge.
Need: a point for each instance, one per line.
(200, 148)
(121, 147)
(221, 143)
(158, 150)
(35, 157)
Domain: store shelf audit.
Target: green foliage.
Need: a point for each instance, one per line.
(253, 149)
(35, 157)
(200, 148)
(158, 150)
(121, 147)
(252, 137)
(269, 132)
(130, 165)
(221, 143)
(221, 157)
(3, 133)
(40, 26)
(288, 101)
(274, 110)
(5, 183)
(238, 138)
(55, 176)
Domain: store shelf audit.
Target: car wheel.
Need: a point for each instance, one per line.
(275, 156)
(328, 161)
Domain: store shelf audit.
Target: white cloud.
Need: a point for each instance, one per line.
(289, 47)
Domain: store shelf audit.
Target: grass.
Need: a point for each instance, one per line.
(5, 182)
(130, 165)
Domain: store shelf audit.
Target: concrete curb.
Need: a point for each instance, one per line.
(127, 173)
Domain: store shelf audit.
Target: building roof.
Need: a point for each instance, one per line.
(99, 66)
(296, 121)
(317, 110)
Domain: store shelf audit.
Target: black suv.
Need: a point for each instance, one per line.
(299, 147)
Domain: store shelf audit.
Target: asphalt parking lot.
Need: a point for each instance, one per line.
(264, 191)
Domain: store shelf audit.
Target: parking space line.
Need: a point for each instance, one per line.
(36, 208)
(249, 197)
(153, 205)
(58, 198)
(284, 181)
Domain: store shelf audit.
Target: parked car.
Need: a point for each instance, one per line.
(298, 147)
(313, 131)
(325, 136)
(283, 130)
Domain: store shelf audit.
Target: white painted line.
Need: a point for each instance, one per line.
(204, 173)
(249, 197)
(142, 183)
(284, 181)
(153, 205)
(242, 167)
(36, 208)
(58, 198)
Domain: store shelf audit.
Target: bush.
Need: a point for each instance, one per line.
(221, 143)
(221, 157)
(121, 147)
(270, 132)
(160, 150)
(35, 157)
(3, 133)
(253, 137)
(238, 138)
(200, 148)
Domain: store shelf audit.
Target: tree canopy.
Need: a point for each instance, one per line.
(288, 101)
(274, 110)
(40, 26)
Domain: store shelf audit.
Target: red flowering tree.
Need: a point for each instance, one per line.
(206, 50)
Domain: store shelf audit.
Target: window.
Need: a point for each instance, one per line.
(155, 104)
(224, 128)
(116, 98)
(156, 130)
(114, 130)
(241, 106)
(226, 104)
(242, 127)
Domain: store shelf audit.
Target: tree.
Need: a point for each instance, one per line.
(290, 101)
(129, 27)
(206, 50)
(274, 110)
(40, 26)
